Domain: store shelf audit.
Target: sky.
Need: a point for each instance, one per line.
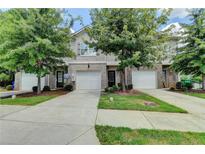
(178, 15)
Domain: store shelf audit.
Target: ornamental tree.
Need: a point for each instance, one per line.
(132, 35)
(34, 40)
(191, 57)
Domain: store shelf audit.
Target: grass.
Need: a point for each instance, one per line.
(136, 102)
(27, 101)
(200, 95)
(120, 135)
(3, 90)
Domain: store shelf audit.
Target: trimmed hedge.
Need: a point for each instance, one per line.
(9, 87)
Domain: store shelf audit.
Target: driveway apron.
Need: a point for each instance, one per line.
(67, 119)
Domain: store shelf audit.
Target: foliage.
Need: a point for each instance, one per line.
(4, 77)
(129, 87)
(9, 87)
(178, 85)
(195, 94)
(33, 40)
(68, 87)
(197, 79)
(28, 101)
(191, 60)
(136, 102)
(35, 88)
(125, 136)
(132, 35)
(112, 89)
(46, 88)
(187, 84)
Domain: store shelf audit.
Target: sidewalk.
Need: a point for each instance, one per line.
(194, 120)
(10, 93)
(151, 120)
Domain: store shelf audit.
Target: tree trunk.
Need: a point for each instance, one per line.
(203, 81)
(39, 85)
(123, 79)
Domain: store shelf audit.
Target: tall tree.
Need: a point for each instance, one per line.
(132, 35)
(34, 40)
(191, 57)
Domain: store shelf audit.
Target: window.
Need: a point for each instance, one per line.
(85, 50)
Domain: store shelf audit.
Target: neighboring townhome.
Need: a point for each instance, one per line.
(93, 70)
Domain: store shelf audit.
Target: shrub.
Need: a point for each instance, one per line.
(110, 89)
(129, 87)
(119, 86)
(68, 87)
(106, 89)
(35, 88)
(178, 85)
(172, 88)
(115, 88)
(187, 84)
(46, 88)
(9, 87)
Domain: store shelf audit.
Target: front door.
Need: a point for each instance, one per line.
(111, 78)
(60, 79)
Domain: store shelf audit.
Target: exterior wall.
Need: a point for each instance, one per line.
(22, 83)
(73, 68)
(82, 37)
(52, 80)
(171, 77)
(18, 80)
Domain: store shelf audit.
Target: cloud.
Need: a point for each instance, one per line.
(179, 13)
(72, 31)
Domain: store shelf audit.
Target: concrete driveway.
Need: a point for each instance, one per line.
(192, 104)
(68, 119)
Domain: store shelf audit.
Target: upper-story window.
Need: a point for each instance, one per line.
(85, 50)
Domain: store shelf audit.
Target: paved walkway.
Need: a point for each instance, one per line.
(193, 121)
(67, 119)
(10, 93)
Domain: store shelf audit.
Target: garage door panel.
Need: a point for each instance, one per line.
(144, 79)
(88, 80)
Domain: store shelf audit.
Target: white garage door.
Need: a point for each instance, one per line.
(30, 80)
(88, 80)
(144, 79)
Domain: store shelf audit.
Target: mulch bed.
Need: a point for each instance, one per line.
(197, 91)
(44, 93)
(128, 92)
(190, 91)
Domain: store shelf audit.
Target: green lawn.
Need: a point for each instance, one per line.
(200, 95)
(3, 90)
(126, 136)
(26, 100)
(136, 102)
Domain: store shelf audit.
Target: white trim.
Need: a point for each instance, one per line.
(88, 51)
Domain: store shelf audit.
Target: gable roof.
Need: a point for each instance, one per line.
(80, 30)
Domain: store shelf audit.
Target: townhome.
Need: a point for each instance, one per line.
(93, 70)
